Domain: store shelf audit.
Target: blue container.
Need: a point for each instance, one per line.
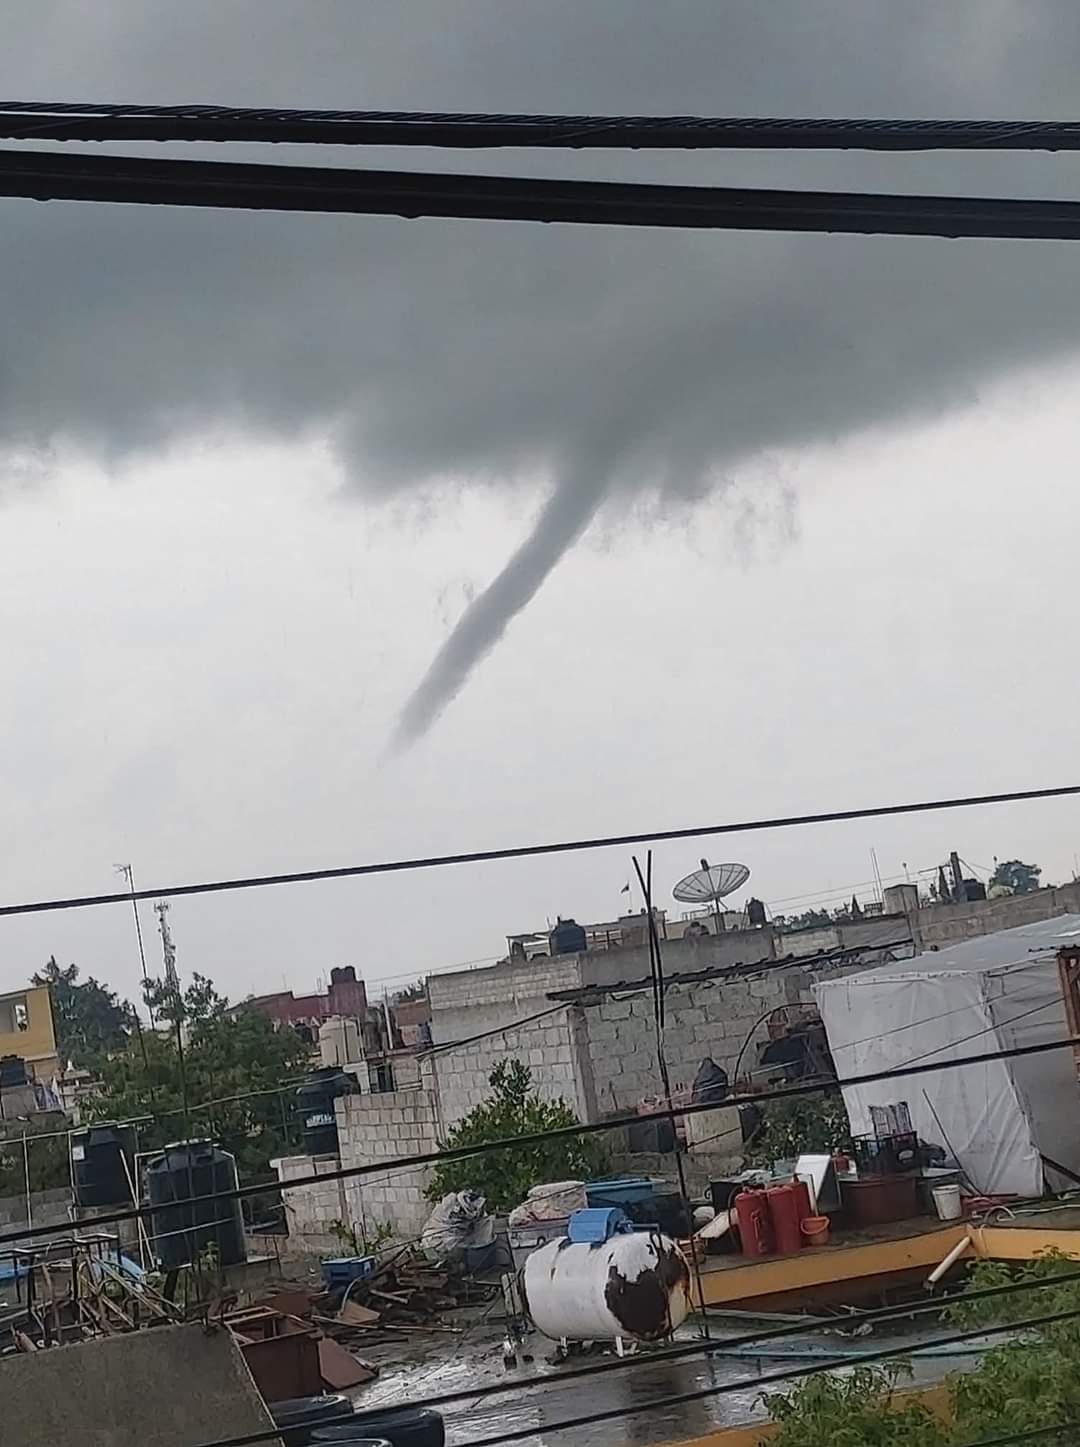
(338, 1271)
(596, 1225)
(625, 1190)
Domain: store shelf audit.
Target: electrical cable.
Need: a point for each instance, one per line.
(765, 1379)
(114, 122)
(528, 851)
(695, 1395)
(460, 1153)
(689, 1350)
(441, 1049)
(226, 185)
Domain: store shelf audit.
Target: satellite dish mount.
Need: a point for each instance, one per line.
(710, 884)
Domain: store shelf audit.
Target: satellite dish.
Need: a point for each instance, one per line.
(709, 885)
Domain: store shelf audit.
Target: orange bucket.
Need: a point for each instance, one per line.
(816, 1230)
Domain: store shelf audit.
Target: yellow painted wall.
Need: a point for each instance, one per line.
(37, 1043)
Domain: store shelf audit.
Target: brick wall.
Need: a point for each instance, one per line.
(378, 1127)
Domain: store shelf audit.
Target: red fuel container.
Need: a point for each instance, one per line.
(755, 1227)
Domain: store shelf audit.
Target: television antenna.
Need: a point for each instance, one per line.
(709, 885)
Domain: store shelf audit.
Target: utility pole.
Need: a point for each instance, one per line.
(129, 874)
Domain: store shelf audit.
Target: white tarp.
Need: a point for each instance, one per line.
(996, 1119)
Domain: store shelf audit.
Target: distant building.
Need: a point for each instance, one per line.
(346, 995)
(27, 1031)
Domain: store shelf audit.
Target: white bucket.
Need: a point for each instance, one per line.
(947, 1201)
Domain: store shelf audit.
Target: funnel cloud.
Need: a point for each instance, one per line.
(637, 365)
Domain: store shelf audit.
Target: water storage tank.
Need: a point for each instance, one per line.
(315, 1107)
(567, 938)
(634, 1285)
(103, 1165)
(183, 1171)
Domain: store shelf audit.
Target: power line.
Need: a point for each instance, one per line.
(689, 1350)
(50, 176)
(528, 851)
(88, 121)
(766, 1379)
(460, 1153)
(677, 1399)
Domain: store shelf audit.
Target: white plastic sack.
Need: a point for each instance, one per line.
(458, 1222)
(552, 1201)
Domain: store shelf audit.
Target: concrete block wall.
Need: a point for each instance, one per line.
(310, 1211)
(478, 1002)
(380, 1127)
(703, 1019)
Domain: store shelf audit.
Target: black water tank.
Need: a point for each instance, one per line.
(315, 1107)
(183, 1171)
(103, 1165)
(567, 938)
(755, 912)
(12, 1071)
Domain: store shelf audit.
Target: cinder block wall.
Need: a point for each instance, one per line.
(380, 1127)
(477, 1002)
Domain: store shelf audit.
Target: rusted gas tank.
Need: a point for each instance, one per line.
(635, 1284)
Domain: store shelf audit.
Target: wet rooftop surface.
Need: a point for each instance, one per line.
(429, 1367)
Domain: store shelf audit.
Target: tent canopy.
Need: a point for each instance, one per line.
(998, 992)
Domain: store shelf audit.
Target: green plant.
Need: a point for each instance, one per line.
(805, 1123)
(1034, 1379)
(505, 1177)
(858, 1409)
(366, 1240)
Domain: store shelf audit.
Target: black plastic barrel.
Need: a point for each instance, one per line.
(315, 1106)
(181, 1233)
(12, 1071)
(567, 938)
(103, 1165)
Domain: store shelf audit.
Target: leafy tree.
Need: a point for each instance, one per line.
(506, 1177)
(1014, 874)
(90, 1020)
(805, 1123)
(226, 1053)
(46, 1160)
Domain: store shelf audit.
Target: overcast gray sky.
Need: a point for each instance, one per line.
(773, 523)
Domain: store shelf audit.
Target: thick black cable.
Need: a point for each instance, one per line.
(678, 1399)
(765, 1379)
(528, 851)
(726, 1345)
(89, 121)
(461, 1153)
(50, 176)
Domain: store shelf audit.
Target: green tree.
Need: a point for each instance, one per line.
(505, 1177)
(226, 1053)
(89, 1019)
(805, 1123)
(1017, 876)
(45, 1160)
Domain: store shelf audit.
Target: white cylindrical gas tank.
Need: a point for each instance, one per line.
(636, 1284)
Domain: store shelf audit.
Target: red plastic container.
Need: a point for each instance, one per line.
(787, 1210)
(805, 1209)
(755, 1226)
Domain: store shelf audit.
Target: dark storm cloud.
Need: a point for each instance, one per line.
(598, 361)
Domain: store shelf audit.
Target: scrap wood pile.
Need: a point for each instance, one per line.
(403, 1294)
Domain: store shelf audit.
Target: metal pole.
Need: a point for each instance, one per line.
(26, 1176)
(129, 874)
